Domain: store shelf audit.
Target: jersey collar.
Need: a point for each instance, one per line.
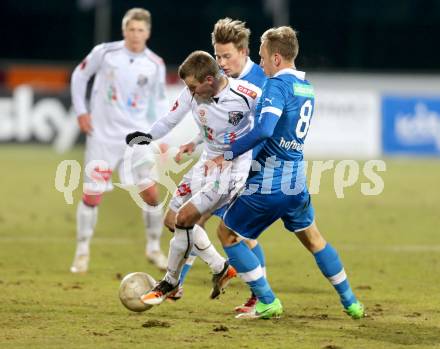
(134, 54)
(247, 68)
(219, 96)
(298, 73)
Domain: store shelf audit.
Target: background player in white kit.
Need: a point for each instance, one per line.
(223, 109)
(128, 94)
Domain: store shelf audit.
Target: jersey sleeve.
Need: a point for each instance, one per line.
(165, 124)
(160, 101)
(254, 102)
(80, 77)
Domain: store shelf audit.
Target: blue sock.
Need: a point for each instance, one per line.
(258, 251)
(186, 268)
(248, 266)
(330, 264)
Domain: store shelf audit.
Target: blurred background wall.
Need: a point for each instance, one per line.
(375, 65)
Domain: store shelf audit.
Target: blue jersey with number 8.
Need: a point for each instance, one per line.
(289, 96)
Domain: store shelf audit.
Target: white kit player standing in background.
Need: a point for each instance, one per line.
(223, 109)
(128, 94)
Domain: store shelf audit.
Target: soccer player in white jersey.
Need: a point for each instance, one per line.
(223, 109)
(230, 40)
(128, 94)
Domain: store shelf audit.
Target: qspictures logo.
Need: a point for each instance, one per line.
(162, 169)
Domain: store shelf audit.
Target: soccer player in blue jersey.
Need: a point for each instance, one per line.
(230, 40)
(276, 187)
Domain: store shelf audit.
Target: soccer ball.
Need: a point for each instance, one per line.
(132, 287)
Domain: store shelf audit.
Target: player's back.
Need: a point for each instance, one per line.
(291, 97)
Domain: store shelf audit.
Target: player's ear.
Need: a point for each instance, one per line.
(209, 79)
(244, 51)
(277, 59)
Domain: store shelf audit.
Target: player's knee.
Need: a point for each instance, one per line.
(314, 246)
(317, 244)
(150, 195)
(312, 239)
(226, 236)
(183, 219)
(251, 243)
(186, 217)
(92, 200)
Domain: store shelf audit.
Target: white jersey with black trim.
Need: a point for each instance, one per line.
(128, 92)
(222, 119)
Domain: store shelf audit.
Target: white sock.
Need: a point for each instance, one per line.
(180, 248)
(206, 250)
(86, 218)
(153, 219)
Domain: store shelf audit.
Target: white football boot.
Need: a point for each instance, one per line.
(158, 259)
(80, 264)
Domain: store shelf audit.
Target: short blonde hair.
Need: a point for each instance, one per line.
(227, 30)
(281, 40)
(137, 14)
(199, 64)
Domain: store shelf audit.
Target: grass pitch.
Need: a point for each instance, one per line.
(389, 244)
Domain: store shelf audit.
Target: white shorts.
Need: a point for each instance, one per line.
(135, 165)
(214, 191)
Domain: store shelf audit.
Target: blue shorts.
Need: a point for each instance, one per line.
(250, 215)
